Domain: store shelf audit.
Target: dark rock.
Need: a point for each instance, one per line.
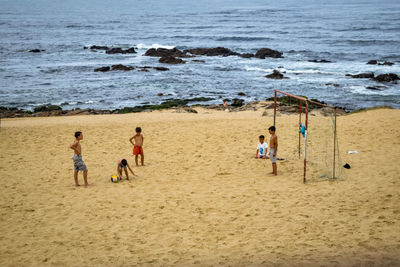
(375, 62)
(171, 60)
(387, 63)
(199, 99)
(36, 50)
(190, 110)
(333, 84)
(276, 75)
(164, 52)
(121, 67)
(246, 55)
(118, 50)
(143, 69)
(198, 60)
(320, 61)
(266, 52)
(377, 88)
(362, 75)
(103, 69)
(390, 77)
(160, 94)
(47, 108)
(242, 94)
(130, 51)
(217, 51)
(85, 47)
(96, 47)
(236, 102)
(160, 68)
(11, 112)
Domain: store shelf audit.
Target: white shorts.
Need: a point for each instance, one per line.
(271, 157)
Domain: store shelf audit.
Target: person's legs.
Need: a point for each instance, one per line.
(142, 158)
(126, 173)
(76, 178)
(274, 169)
(85, 177)
(136, 160)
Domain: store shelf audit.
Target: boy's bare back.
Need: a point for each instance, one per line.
(138, 140)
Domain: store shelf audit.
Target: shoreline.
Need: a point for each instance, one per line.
(179, 105)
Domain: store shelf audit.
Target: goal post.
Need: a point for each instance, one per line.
(306, 103)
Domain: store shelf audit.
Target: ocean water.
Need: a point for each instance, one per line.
(348, 33)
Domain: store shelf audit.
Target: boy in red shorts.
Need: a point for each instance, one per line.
(138, 145)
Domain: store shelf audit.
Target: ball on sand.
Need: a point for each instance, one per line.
(114, 179)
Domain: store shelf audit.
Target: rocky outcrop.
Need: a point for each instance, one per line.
(36, 50)
(98, 47)
(267, 52)
(217, 51)
(103, 69)
(121, 67)
(333, 84)
(368, 75)
(210, 52)
(276, 75)
(389, 77)
(118, 50)
(237, 102)
(319, 61)
(171, 60)
(375, 62)
(376, 88)
(164, 52)
(160, 68)
(246, 55)
(47, 108)
(114, 50)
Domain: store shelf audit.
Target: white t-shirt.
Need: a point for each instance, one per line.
(262, 149)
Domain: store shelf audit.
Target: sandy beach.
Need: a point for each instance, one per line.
(202, 199)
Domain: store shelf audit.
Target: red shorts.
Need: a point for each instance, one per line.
(137, 150)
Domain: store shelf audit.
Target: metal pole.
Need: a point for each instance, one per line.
(299, 124)
(275, 108)
(305, 145)
(334, 145)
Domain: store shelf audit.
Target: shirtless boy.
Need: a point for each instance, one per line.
(138, 145)
(122, 164)
(79, 165)
(273, 149)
